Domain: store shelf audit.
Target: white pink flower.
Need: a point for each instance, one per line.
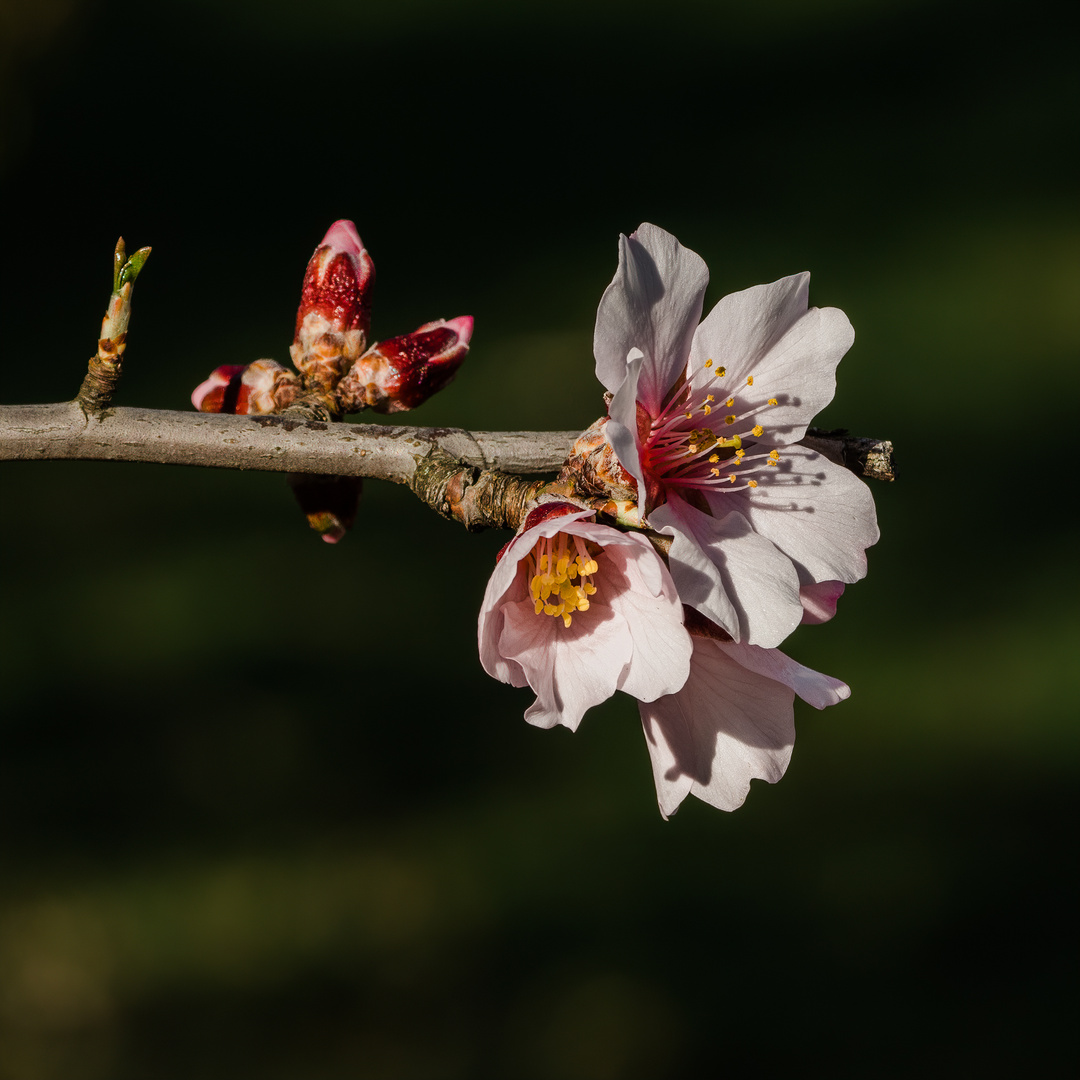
(705, 418)
(732, 721)
(577, 610)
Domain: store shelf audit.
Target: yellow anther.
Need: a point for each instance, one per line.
(709, 397)
(721, 371)
(751, 483)
(730, 402)
(749, 380)
(714, 458)
(771, 463)
(689, 416)
(759, 430)
(715, 472)
(773, 401)
(775, 455)
(729, 419)
(740, 453)
(706, 409)
(552, 589)
(708, 363)
(731, 478)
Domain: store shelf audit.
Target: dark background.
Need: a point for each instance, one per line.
(262, 813)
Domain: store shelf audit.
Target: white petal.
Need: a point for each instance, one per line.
(650, 605)
(652, 304)
(726, 726)
(818, 514)
(790, 351)
(813, 687)
(622, 429)
(571, 668)
(731, 574)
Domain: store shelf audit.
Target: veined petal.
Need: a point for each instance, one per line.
(730, 573)
(572, 671)
(727, 726)
(653, 613)
(653, 304)
(813, 687)
(791, 352)
(818, 514)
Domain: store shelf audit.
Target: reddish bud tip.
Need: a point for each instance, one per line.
(222, 392)
(343, 237)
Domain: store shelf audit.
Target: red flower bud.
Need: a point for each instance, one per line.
(261, 387)
(334, 317)
(402, 372)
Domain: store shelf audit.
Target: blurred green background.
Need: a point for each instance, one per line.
(261, 812)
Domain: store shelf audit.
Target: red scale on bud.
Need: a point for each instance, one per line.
(398, 374)
(338, 281)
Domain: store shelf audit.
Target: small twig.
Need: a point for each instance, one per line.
(105, 367)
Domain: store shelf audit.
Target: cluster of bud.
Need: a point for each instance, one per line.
(330, 349)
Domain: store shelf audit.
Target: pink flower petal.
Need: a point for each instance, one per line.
(726, 727)
(652, 305)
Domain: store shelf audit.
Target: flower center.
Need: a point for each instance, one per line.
(701, 438)
(561, 568)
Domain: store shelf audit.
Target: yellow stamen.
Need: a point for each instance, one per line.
(775, 455)
(731, 478)
(749, 380)
(706, 409)
(715, 472)
(552, 586)
(759, 431)
(729, 419)
(751, 483)
(773, 401)
(730, 402)
(714, 458)
(709, 397)
(708, 363)
(721, 372)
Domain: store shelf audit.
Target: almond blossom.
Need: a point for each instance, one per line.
(705, 421)
(731, 722)
(577, 610)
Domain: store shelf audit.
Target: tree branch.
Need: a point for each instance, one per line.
(286, 444)
(471, 477)
(269, 443)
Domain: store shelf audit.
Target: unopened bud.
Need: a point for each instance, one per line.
(334, 317)
(255, 389)
(329, 502)
(398, 374)
(114, 326)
